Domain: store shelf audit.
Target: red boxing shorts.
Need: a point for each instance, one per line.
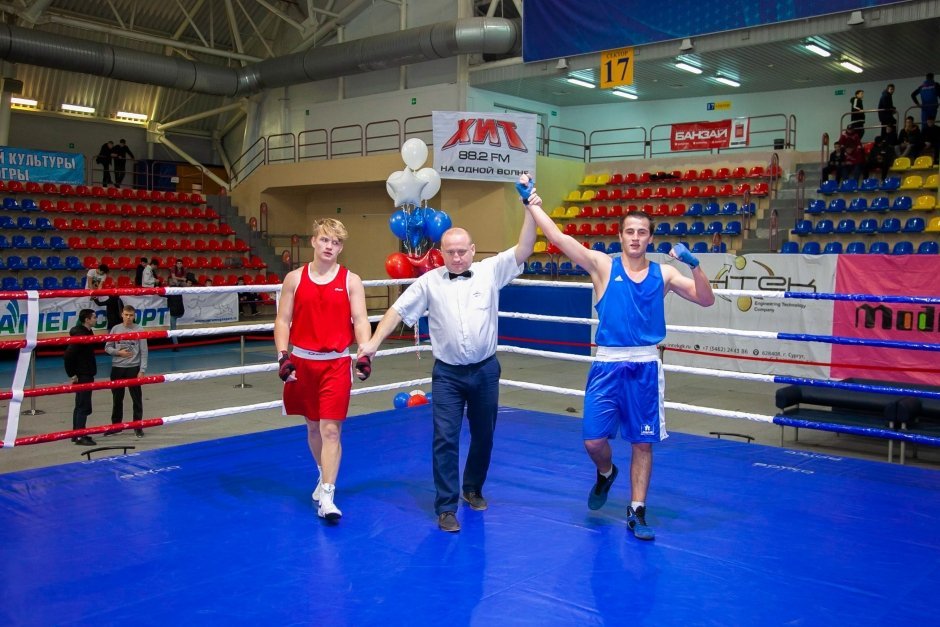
(321, 390)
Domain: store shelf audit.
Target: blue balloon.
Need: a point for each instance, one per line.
(398, 223)
(401, 400)
(415, 238)
(416, 219)
(428, 396)
(438, 225)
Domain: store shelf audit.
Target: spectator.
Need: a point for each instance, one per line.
(890, 134)
(849, 138)
(177, 307)
(910, 142)
(928, 99)
(128, 361)
(105, 155)
(879, 159)
(113, 306)
(80, 367)
(717, 245)
(121, 153)
(854, 163)
(931, 137)
(858, 113)
(149, 276)
(96, 277)
(247, 300)
(886, 110)
(178, 274)
(836, 163)
(139, 275)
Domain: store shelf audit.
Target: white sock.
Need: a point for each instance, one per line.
(606, 475)
(637, 504)
(319, 472)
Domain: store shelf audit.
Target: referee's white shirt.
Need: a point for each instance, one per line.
(462, 313)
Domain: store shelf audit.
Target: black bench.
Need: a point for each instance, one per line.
(919, 415)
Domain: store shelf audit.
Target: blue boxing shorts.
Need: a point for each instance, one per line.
(625, 387)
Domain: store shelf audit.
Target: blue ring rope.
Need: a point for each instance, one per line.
(857, 387)
(874, 432)
(871, 298)
(857, 341)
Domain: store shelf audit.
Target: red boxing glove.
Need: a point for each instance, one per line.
(286, 370)
(364, 367)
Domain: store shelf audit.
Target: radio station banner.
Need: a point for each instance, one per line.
(58, 315)
(40, 166)
(710, 135)
(484, 146)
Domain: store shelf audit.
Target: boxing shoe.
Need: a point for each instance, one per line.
(598, 494)
(316, 493)
(636, 521)
(327, 508)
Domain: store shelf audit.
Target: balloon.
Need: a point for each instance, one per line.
(436, 258)
(414, 152)
(398, 267)
(401, 400)
(438, 225)
(433, 180)
(430, 260)
(428, 396)
(417, 399)
(415, 392)
(398, 222)
(404, 188)
(415, 239)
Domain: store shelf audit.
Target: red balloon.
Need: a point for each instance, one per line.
(417, 399)
(398, 266)
(436, 257)
(427, 261)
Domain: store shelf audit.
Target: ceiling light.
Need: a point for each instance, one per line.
(851, 66)
(132, 116)
(578, 81)
(817, 49)
(856, 18)
(77, 108)
(727, 81)
(682, 65)
(23, 102)
(624, 94)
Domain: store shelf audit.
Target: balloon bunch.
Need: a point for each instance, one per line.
(412, 399)
(418, 226)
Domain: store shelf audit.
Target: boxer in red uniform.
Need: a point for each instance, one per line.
(322, 307)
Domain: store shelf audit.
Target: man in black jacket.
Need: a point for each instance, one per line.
(80, 366)
(105, 155)
(886, 110)
(121, 153)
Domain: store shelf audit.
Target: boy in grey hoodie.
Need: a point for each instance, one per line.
(128, 361)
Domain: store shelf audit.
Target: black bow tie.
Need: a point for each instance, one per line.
(453, 275)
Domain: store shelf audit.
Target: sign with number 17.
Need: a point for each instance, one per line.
(616, 67)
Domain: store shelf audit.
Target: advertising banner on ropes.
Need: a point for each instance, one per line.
(710, 135)
(765, 272)
(484, 146)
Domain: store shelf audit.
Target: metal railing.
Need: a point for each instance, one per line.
(617, 143)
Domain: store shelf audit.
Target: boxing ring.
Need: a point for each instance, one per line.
(224, 530)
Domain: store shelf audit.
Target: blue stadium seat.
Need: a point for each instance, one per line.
(15, 262)
(836, 205)
(732, 228)
(43, 224)
(73, 263)
(69, 283)
(697, 228)
(823, 227)
(613, 248)
(879, 248)
(6, 222)
(10, 204)
(25, 223)
(650, 248)
(749, 209)
(700, 247)
(790, 248)
(846, 226)
(550, 268)
(928, 248)
(662, 229)
(4, 242)
(816, 205)
(890, 225)
(664, 247)
(713, 227)
(858, 204)
(35, 262)
(833, 248)
(811, 248)
(903, 248)
(711, 209)
(58, 242)
(881, 203)
(600, 247)
(680, 229)
(848, 186)
(50, 283)
(695, 209)
(870, 184)
(31, 283)
(29, 204)
(566, 268)
(803, 227)
(829, 187)
(867, 226)
(533, 267)
(19, 241)
(890, 184)
(38, 241)
(902, 203)
(914, 225)
(855, 248)
(9, 284)
(54, 262)
(729, 209)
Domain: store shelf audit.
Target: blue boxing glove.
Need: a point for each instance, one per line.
(684, 255)
(524, 186)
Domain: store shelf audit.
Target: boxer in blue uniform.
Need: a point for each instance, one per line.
(625, 384)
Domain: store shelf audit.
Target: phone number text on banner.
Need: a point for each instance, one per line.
(484, 146)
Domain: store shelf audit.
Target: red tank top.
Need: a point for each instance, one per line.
(322, 319)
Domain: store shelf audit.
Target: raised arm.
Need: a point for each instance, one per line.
(587, 259)
(698, 289)
(526, 235)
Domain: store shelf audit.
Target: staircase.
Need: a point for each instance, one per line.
(785, 203)
(260, 247)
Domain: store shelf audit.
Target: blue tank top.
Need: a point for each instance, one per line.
(631, 314)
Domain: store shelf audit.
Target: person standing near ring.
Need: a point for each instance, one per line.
(625, 386)
(128, 361)
(462, 301)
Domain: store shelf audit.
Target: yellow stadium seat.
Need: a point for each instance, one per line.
(589, 179)
(923, 162)
(602, 179)
(558, 212)
(901, 163)
(933, 226)
(540, 247)
(926, 202)
(572, 212)
(573, 196)
(588, 195)
(912, 182)
(932, 181)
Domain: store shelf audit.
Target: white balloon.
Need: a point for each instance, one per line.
(414, 152)
(433, 180)
(404, 187)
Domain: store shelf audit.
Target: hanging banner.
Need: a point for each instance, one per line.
(40, 166)
(484, 146)
(700, 135)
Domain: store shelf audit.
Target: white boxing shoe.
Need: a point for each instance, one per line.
(328, 509)
(316, 493)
